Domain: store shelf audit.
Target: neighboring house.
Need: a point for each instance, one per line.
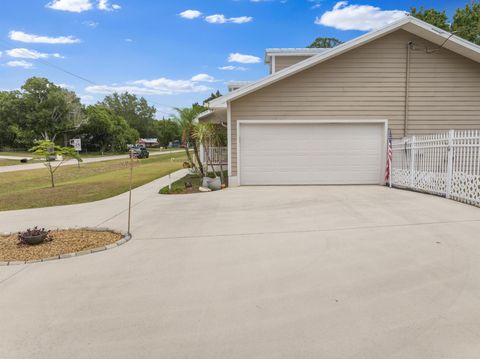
(321, 116)
(148, 142)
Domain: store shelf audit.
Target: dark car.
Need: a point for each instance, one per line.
(140, 152)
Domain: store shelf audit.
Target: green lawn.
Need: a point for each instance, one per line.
(90, 182)
(9, 162)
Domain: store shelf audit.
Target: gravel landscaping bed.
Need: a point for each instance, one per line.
(63, 242)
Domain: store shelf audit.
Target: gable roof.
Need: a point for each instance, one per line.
(409, 23)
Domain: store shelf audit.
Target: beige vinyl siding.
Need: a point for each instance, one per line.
(282, 62)
(369, 83)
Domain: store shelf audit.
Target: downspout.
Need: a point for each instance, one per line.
(407, 89)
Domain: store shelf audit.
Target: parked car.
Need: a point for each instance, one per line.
(140, 152)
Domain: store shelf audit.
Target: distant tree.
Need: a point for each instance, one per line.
(167, 131)
(136, 111)
(106, 131)
(12, 127)
(213, 96)
(325, 42)
(466, 22)
(432, 16)
(47, 150)
(50, 110)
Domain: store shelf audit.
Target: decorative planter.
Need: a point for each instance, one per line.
(32, 240)
(214, 184)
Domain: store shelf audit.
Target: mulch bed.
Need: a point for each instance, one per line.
(62, 242)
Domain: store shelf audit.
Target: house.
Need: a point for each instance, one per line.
(321, 116)
(148, 142)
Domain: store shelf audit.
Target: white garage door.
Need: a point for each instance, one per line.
(311, 153)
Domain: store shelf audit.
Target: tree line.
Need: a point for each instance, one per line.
(42, 110)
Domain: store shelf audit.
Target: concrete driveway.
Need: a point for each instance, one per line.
(257, 272)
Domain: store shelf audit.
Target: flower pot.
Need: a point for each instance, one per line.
(214, 184)
(35, 239)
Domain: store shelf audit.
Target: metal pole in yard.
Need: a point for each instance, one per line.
(130, 192)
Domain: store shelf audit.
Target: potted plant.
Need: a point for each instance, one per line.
(33, 236)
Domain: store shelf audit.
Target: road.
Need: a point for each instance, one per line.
(34, 166)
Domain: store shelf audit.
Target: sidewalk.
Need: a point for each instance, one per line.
(91, 214)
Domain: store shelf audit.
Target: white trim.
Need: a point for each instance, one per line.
(274, 65)
(229, 138)
(410, 24)
(202, 115)
(332, 121)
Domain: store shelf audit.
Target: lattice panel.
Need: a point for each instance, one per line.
(466, 188)
(446, 164)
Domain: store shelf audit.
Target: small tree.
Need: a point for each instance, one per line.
(48, 151)
(204, 133)
(186, 120)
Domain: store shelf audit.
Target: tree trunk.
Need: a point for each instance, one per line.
(197, 156)
(207, 153)
(189, 157)
(51, 175)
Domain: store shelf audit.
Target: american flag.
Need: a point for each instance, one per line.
(388, 170)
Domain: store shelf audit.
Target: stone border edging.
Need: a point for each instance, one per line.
(125, 238)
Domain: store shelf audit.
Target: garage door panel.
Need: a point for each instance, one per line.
(310, 153)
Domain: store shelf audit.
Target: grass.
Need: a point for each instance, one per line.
(178, 187)
(9, 162)
(90, 182)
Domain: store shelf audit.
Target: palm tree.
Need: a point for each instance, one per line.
(204, 133)
(186, 118)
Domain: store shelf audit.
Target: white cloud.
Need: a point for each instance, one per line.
(161, 86)
(20, 63)
(23, 53)
(190, 14)
(128, 40)
(243, 59)
(87, 99)
(105, 6)
(358, 17)
(221, 19)
(70, 5)
(90, 23)
(232, 68)
(37, 39)
(203, 78)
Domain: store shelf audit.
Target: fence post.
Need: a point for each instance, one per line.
(451, 135)
(412, 162)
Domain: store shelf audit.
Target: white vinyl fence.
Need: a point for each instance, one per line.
(445, 164)
(218, 155)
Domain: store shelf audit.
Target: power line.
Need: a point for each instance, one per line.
(59, 68)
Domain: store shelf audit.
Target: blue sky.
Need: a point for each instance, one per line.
(170, 51)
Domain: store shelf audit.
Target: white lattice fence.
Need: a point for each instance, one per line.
(446, 164)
